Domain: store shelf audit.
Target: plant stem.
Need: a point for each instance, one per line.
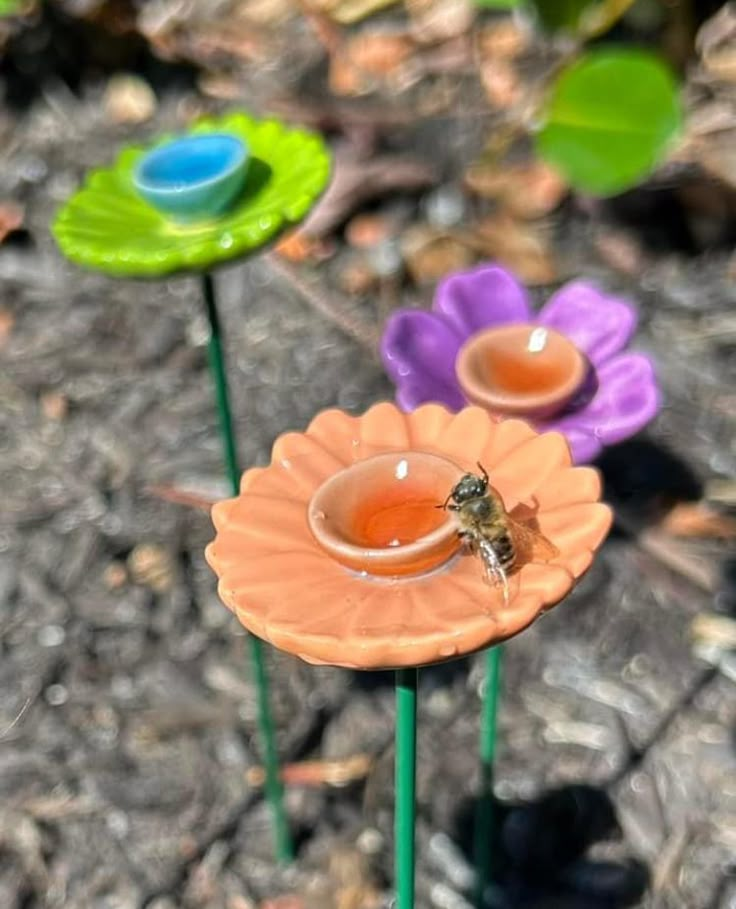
(273, 787)
(484, 814)
(406, 754)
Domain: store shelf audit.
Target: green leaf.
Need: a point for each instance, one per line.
(560, 14)
(610, 119)
(10, 7)
(498, 4)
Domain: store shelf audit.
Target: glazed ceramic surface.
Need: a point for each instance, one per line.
(620, 396)
(108, 226)
(380, 514)
(285, 587)
(193, 178)
(520, 370)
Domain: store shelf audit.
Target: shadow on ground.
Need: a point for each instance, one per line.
(540, 852)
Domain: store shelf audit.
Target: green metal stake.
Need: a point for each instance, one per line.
(405, 797)
(483, 828)
(274, 790)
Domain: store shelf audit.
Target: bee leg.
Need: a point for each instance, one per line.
(505, 582)
(468, 540)
(500, 576)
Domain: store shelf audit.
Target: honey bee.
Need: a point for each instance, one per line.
(489, 531)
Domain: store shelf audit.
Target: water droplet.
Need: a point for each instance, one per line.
(226, 240)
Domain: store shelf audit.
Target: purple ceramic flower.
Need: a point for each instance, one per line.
(419, 350)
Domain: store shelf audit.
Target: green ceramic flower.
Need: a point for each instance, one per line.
(108, 226)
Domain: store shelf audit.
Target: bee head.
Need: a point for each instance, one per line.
(469, 487)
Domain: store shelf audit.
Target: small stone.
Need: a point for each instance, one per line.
(118, 823)
(444, 897)
(386, 259)
(115, 576)
(56, 695)
(366, 231)
(163, 902)
(357, 278)
(51, 636)
(240, 902)
(129, 99)
(445, 207)
(54, 405)
(370, 841)
(152, 566)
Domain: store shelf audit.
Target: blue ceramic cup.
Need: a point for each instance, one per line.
(193, 178)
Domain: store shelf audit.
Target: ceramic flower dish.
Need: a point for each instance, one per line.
(107, 225)
(427, 356)
(284, 586)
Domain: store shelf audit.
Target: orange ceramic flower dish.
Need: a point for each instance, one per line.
(336, 552)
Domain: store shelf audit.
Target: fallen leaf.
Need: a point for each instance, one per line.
(11, 218)
(265, 12)
(501, 82)
(347, 12)
(716, 43)
(354, 882)
(317, 773)
(721, 490)
(367, 59)
(115, 576)
(366, 230)
(7, 321)
(620, 250)
(504, 40)
(219, 85)
(698, 519)
(434, 21)
(519, 246)
(357, 277)
(181, 497)
(240, 902)
(299, 247)
(152, 566)
(54, 405)
(430, 253)
(714, 629)
(288, 901)
(527, 190)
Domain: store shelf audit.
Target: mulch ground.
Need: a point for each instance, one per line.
(127, 712)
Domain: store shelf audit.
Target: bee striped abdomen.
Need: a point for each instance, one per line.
(504, 547)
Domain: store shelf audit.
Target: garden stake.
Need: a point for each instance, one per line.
(484, 814)
(406, 752)
(310, 586)
(273, 786)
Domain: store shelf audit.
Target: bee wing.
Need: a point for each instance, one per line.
(493, 572)
(531, 545)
